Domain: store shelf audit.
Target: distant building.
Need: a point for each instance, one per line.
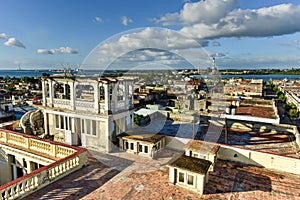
(251, 88)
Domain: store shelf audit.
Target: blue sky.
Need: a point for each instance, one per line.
(61, 33)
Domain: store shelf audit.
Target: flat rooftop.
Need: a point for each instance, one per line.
(202, 147)
(281, 143)
(268, 141)
(256, 111)
(143, 178)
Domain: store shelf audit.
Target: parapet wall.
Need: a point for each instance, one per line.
(245, 156)
(260, 159)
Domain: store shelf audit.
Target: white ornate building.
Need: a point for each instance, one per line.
(87, 111)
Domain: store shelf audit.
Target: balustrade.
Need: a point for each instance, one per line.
(85, 106)
(24, 186)
(71, 160)
(36, 145)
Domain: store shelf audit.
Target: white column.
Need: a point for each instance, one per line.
(125, 93)
(96, 97)
(114, 102)
(46, 123)
(44, 92)
(72, 95)
(106, 97)
(51, 93)
(28, 169)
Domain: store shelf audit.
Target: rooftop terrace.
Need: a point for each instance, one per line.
(267, 141)
(142, 178)
(256, 111)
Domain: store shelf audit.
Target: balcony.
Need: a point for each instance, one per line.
(66, 159)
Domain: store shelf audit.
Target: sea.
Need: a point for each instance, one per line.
(265, 77)
(38, 73)
(24, 73)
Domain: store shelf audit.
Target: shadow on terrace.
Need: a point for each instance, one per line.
(82, 182)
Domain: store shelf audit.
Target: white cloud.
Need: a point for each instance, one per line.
(221, 18)
(3, 36)
(297, 42)
(206, 12)
(14, 42)
(168, 19)
(60, 50)
(217, 54)
(43, 51)
(125, 20)
(153, 42)
(98, 19)
(216, 44)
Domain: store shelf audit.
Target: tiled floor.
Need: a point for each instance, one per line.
(126, 176)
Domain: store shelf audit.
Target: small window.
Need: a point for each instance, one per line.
(146, 149)
(195, 155)
(140, 148)
(190, 179)
(94, 127)
(181, 177)
(67, 123)
(70, 123)
(24, 163)
(82, 126)
(131, 146)
(126, 145)
(62, 122)
(158, 146)
(56, 121)
(12, 159)
(88, 126)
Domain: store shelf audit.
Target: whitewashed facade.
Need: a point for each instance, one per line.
(87, 111)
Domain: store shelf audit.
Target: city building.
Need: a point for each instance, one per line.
(249, 88)
(87, 111)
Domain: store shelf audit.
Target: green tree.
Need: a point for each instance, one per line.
(293, 112)
(282, 98)
(10, 88)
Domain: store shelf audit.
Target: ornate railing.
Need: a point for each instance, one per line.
(85, 106)
(73, 158)
(62, 103)
(35, 144)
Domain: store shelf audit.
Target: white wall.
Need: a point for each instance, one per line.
(260, 159)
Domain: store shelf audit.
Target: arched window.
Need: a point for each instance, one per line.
(102, 93)
(84, 92)
(58, 90)
(67, 92)
(120, 92)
